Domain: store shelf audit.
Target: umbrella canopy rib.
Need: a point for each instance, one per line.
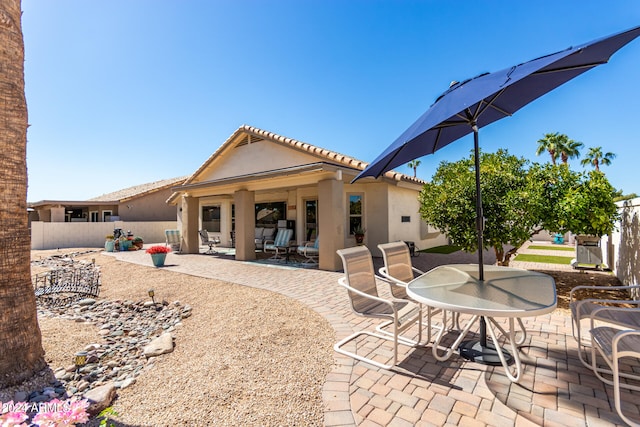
(585, 67)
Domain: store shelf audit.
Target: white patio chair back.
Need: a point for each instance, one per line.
(582, 308)
(397, 267)
(360, 282)
(283, 237)
(399, 270)
(173, 239)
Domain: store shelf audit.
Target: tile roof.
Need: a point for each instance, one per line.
(139, 190)
(332, 156)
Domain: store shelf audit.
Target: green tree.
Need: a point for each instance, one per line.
(589, 206)
(517, 202)
(596, 158)
(414, 165)
(21, 353)
(448, 203)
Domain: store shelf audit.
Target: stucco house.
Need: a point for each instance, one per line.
(258, 179)
(145, 202)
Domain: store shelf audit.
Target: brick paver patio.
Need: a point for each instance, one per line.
(556, 389)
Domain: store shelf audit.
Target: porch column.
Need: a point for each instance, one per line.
(190, 219)
(245, 224)
(331, 219)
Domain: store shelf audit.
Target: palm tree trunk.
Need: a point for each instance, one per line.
(21, 353)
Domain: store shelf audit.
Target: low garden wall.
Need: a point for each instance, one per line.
(53, 235)
(624, 243)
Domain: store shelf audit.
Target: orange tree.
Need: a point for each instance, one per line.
(518, 202)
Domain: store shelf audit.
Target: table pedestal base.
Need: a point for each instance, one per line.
(486, 355)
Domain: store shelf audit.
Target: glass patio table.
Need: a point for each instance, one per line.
(506, 292)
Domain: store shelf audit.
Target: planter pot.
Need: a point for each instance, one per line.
(124, 245)
(109, 245)
(158, 259)
(359, 238)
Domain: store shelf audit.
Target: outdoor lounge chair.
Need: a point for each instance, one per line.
(583, 308)
(173, 240)
(614, 344)
(360, 282)
(399, 271)
(280, 245)
(311, 251)
(206, 239)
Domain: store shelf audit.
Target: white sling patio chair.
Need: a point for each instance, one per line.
(311, 251)
(280, 245)
(613, 344)
(360, 282)
(173, 239)
(206, 239)
(399, 271)
(583, 308)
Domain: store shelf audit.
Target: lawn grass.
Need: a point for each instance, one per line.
(445, 249)
(549, 259)
(552, 248)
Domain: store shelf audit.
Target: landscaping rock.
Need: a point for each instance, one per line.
(100, 398)
(161, 345)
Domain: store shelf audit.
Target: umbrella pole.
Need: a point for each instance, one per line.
(479, 227)
(479, 214)
(479, 351)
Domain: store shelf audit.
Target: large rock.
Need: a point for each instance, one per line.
(100, 398)
(161, 345)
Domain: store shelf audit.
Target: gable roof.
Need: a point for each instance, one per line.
(138, 190)
(246, 134)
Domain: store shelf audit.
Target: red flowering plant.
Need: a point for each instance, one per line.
(158, 250)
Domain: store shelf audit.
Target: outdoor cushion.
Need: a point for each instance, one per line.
(258, 232)
(268, 233)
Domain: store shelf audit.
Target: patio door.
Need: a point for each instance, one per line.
(311, 219)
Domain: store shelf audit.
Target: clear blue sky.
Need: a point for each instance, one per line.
(127, 92)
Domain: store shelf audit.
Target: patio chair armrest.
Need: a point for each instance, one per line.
(415, 270)
(343, 282)
(598, 314)
(385, 277)
(620, 337)
(593, 287)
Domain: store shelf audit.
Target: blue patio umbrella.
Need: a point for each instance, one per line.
(469, 105)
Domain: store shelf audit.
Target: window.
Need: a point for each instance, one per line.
(355, 212)
(94, 216)
(211, 218)
(310, 224)
(106, 216)
(268, 214)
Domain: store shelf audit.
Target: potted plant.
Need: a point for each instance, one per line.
(158, 254)
(358, 233)
(109, 243)
(138, 242)
(123, 243)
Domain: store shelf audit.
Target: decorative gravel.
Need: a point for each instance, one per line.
(243, 357)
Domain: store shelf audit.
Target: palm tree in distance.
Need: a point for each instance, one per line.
(549, 144)
(596, 158)
(568, 149)
(414, 165)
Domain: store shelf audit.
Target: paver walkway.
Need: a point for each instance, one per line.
(556, 389)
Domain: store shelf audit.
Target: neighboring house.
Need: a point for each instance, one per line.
(146, 202)
(257, 178)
